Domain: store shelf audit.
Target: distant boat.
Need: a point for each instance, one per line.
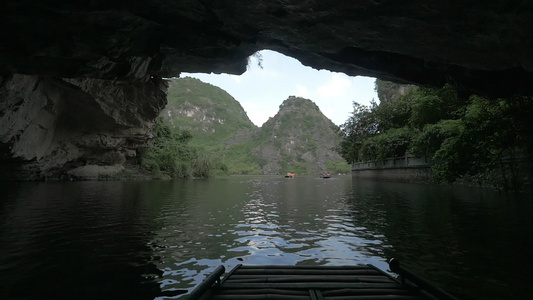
(326, 175)
(290, 175)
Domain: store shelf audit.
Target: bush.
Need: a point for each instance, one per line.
(464, 137)
(339, 167)
(392, 143)
(172, 155)
(427, 142)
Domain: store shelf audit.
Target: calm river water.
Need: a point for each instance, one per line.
(140, 240)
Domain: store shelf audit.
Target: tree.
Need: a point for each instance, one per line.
(463, 137)
(489, 130)
(172, 155)
(392, 143)
(395, 114)
(360, 126)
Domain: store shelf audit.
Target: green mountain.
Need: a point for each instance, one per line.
(299, 138)
(208, 112)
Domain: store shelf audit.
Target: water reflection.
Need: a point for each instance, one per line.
(444, 234)
(75, 241)
(473, 242)
(264, 221)
(145, 240)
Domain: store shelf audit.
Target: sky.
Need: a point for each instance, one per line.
(261, 90)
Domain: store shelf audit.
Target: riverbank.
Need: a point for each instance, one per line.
(514, 174)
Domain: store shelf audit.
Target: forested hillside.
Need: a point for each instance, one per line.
(208, 112)
(298, 139)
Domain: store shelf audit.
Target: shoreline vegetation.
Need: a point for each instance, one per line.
(465, 138)
(299, 138)
(172, 156)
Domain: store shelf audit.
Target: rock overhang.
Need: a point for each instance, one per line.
(477, 46)
(81, 81)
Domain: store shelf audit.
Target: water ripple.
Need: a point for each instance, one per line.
(131, 239)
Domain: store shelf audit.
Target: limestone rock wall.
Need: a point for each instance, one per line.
(477, 46)
(49, 126)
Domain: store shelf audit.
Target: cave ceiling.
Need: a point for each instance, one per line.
(483, 47)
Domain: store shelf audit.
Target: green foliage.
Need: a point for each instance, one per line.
(295, 167)
(220, 114)
(416, 120)
(244, 168)
(339, 167)
(172, 155)
(430, 139)
(426, 110)
(297, 129)
(361, 126)
(392, 143)
(219, 125)
(395, 114)
(240, 159)
(311, 145)
(490, 129)
(429, 106)
(463, 137)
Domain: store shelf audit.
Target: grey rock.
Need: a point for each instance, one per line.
(49, 126)
(478, 46)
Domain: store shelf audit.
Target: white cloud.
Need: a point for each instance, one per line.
(302, 91)
(261, 90)
(249, 106)
(271, 74)
(260, 116)
(335, 87)
(236, 79)
(258, 112)
(329, 112)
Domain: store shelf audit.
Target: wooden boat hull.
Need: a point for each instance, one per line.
(306, 282)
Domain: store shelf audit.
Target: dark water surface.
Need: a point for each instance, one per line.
(132, 240)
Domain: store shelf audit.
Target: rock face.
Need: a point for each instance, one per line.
(299, 138)
(54, 127)
(476, 45)
(207, 111)
(81, 77)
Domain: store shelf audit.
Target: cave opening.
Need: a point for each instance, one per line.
(272, 77)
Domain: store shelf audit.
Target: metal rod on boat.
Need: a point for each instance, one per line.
(395, 267)
(207, 283)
